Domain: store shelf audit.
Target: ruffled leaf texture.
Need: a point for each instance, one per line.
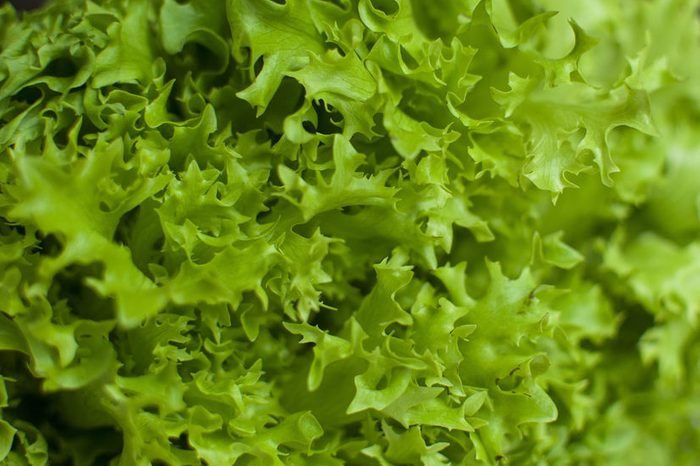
(363, 232)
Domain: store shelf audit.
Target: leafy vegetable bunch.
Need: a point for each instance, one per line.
(362, 232)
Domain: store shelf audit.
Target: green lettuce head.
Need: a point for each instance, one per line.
(350, 232)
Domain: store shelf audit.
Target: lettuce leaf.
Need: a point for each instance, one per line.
(371, 232)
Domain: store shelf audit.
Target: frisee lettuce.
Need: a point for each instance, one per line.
(369, 232)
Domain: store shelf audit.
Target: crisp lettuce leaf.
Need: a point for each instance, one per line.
(372, 232)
